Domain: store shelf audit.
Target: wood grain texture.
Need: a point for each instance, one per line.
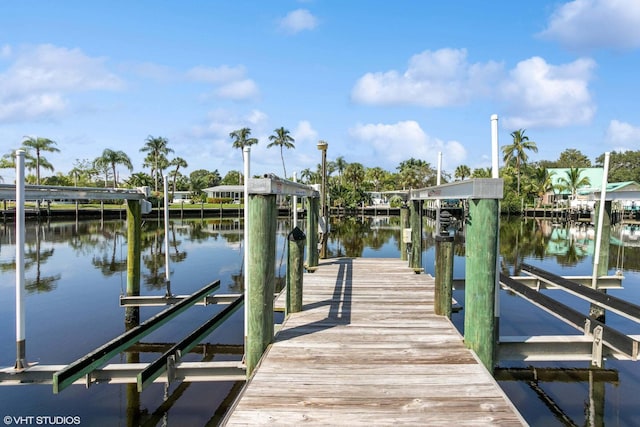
(367, 349)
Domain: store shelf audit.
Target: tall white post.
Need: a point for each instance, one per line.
(246, 151)
(603, 196)
(494, 146)
(295, 203)
(21, 359)
(495, 169)
(167, 274)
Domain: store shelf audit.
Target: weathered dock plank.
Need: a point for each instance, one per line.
(367, 349)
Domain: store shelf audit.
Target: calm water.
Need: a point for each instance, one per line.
(77, 271)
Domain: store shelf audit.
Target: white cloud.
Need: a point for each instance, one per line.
(623, 136)
(406, 139)
(32, 107)
(238, 90)
(540, 94)
(40, 79)
(221, 122)
(298, 20)
(432, 79)
(304, 132)
(232, 82)
(589, 24)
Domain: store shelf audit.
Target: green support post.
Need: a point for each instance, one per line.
(312, 233)
(295, 269)
(444, 275)
(134, 238)
(415, 261)
(404, 225)
(480, 278)
(261, 271)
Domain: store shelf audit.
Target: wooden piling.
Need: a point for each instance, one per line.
(134, 238)
(444, 275)
(261, 271)
(295, 270)
(312, 233)
(404, 224)
(415, 260)
(480, 278)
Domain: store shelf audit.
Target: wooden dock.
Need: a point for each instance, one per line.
(368, 350)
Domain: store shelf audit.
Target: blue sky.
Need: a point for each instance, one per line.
(380, 81)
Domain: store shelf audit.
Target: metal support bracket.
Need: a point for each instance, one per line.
(596, 351)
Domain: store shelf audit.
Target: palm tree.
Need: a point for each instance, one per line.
(157, 149)
(481, 173)
(178, 162)
(354, 173)
(307, 176)
(340, 164)
(109, 159)
(516, 153)
(542, 183)
(282, 139)
(40, 144)
(139, 179)
(462, 172)
(376, 176)
(241, 139)
(573, 180)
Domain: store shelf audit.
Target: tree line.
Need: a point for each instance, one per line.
(349, 184)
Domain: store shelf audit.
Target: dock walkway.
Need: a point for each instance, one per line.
(368, 350)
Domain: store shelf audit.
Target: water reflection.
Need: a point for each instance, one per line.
(202, 250)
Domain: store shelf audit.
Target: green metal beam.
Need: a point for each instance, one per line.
(65, 377)
(610, 337)
(159, 366)
(617, 305)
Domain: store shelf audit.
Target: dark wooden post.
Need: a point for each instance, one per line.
(295, 269)
(261, 271)
(480, 278)
(312, 233)
(134, 238)
(415, 261)
(404, 225)
(444, 275)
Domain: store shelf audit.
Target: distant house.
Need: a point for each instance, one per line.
(585, 198)
(383, 198)
(234, 193)
(564, 196)
(181, 196)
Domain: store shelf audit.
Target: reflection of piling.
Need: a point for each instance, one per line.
(312, 232)
(133, 395)
(480, 279)
(444, 275)
(404, 225)
(260, 268)
(295, 270)
(415, 260)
